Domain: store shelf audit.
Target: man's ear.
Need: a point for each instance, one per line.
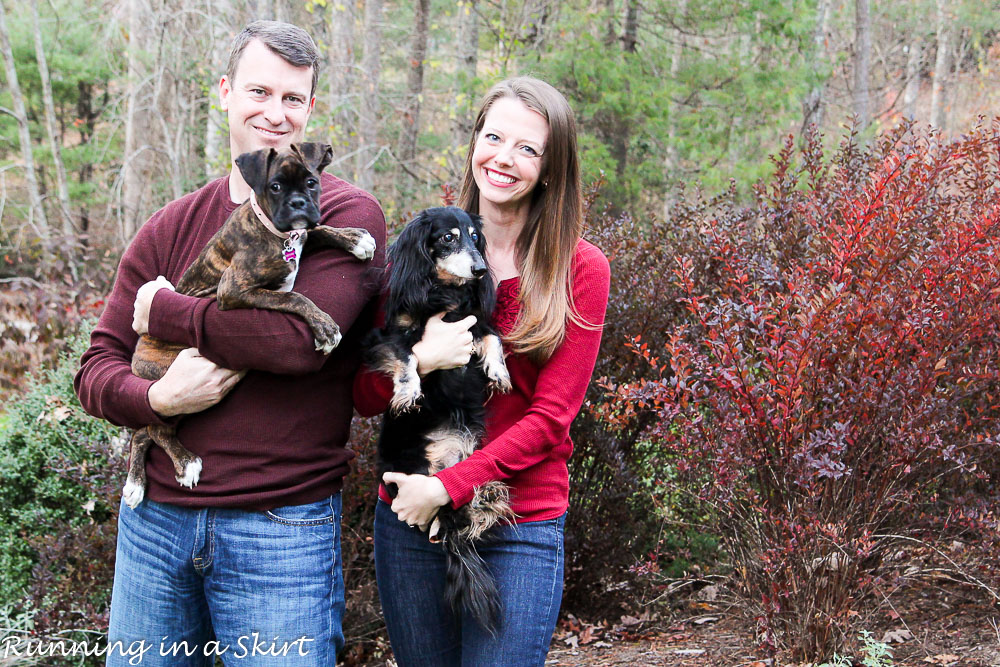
(316, 155)
(255, 166)
(225, 88)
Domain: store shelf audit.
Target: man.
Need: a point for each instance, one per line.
(246, 564)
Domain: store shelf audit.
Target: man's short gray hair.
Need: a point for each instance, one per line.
(291, 42)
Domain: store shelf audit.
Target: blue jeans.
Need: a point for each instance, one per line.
(527, 561)
(256, 588)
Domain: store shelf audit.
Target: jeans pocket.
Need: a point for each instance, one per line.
(311, 514)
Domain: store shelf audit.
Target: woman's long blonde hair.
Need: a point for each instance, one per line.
(545, 248)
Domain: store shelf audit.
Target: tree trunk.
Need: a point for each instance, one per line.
(219, 13)
(468, 55)
(862, 61)
(55, 141)
(20, 114)
(414, 88)
(343, 85)
(671, 161)
(942, 65)
(368, 120)
(914, 61)
(631, 34)
(812, 105)
(138, 127)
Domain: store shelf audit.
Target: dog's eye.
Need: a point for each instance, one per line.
(276, 187)
(311, 183)
(449, 238)
(475, 236)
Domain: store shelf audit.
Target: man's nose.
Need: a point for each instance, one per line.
(274, 111)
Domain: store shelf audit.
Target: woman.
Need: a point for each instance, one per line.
(522, 176)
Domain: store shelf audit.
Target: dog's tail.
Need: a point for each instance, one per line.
(469, 584)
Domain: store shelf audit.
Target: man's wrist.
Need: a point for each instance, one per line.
(159, 402)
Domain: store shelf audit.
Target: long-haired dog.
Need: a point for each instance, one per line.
(437, 265)
(251, 262)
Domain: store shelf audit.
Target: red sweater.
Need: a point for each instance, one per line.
(278, 438)
(527, 439)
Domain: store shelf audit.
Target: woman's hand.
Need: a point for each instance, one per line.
(419, 498)
(444, 344)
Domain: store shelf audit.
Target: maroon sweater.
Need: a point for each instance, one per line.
(527, 441)
(278, 438)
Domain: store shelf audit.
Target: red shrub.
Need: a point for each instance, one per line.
(837, 361)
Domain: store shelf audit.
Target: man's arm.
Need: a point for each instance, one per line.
(105, 383)
(269, 340)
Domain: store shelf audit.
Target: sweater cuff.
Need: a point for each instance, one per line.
(171, 316)
(462, 479)
(135, 398)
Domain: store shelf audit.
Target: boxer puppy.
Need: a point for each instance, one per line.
(251, 262)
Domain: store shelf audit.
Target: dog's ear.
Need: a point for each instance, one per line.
(487, 292)
(255, 166)
(316, 155)
(411, 267)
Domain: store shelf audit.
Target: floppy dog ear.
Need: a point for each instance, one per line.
(255, 166)
(486, 290)
(316, 155)
(411, 267)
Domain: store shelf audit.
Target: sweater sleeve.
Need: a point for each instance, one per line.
(105, 383)
(559, 392)
(373, 389)
(269, 340)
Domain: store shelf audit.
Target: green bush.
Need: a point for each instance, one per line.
(59, 488)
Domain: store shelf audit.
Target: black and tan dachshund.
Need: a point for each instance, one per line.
(438, 265)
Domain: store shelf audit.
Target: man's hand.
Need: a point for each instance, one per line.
(444, 344)
(143, 301)
(418, 499)
(191, 384)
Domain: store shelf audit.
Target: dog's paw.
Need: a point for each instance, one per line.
(499, 379)
(365, 247)
(405, 394)
(192, 473)
(133, 493)
(326, 333)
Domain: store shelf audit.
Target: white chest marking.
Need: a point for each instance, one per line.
(294, 264)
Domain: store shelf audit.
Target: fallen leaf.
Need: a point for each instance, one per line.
(701, 620)
(689, 651)
(942, 659)
(897, 636)
(573, 641)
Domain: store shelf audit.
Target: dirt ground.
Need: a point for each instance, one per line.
(929, 623)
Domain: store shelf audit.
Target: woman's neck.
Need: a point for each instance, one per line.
(502, 228)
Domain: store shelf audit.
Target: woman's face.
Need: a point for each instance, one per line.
(507, 158)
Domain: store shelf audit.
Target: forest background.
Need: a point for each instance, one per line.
(109, 110)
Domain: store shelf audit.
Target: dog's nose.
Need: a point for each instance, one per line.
(479, 268)
(296, 202)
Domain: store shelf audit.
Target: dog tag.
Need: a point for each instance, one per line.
(289, 253)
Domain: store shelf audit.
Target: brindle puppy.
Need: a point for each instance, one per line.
(251, 262)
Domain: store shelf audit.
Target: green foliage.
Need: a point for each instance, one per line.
(47, 439)
(876, 654)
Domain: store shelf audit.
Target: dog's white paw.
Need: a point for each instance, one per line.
(326, 347)
(133, 493)
(365, 247)
(405, 394)
(192, 473)
(499, 378)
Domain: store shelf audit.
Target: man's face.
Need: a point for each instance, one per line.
(268, 101)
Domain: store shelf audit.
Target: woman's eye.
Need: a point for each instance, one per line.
(530, 151)
(491, 137)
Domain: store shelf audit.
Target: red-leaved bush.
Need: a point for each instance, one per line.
(836, 367)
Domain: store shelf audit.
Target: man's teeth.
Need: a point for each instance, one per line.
(269, 132)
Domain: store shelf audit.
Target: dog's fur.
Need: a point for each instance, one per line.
(242, 266)
(437, 265)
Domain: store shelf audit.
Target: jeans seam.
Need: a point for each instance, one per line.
(542, 650)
